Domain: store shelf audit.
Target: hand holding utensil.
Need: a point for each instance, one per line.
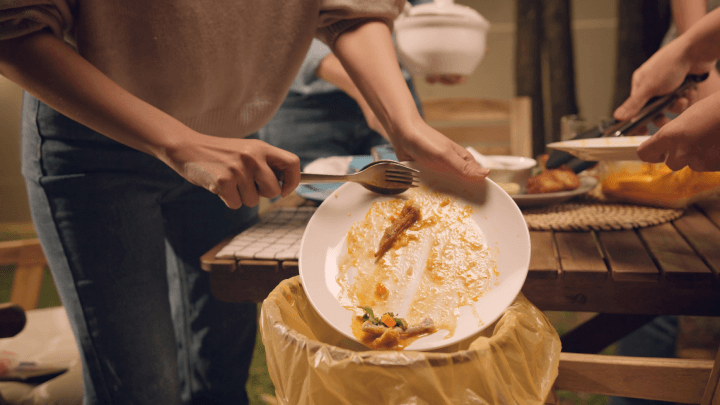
(613, 127)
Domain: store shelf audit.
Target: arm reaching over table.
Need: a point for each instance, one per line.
(692, 139)
(368, 49)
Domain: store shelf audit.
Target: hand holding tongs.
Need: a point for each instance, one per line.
(613, 127)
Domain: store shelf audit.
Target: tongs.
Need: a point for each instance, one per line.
(614, 128)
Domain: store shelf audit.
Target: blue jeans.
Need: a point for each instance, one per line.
(654, 339)
(321, 125)
(123, 234)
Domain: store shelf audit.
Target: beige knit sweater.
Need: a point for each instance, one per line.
(222, 67)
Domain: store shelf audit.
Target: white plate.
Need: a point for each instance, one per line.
(498, 217)
(587, 183)
(595, 149)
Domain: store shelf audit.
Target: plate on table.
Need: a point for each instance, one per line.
(587, 183)
(597, 149)
(321, 191)
(498, 219)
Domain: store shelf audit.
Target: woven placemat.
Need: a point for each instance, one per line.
(594, 212)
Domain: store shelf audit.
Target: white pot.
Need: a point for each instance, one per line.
(441, 38)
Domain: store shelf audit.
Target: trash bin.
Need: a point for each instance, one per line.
(513, 361)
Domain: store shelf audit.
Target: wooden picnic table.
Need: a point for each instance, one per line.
(668, 269)
(626, 276)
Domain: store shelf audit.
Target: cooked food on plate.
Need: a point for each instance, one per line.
(552, 181)
(421, 256)
(510, 188)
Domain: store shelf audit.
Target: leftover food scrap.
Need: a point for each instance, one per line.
(389, 331)
(408, 216)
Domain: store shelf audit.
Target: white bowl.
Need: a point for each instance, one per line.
(510, 169)
(441, 38)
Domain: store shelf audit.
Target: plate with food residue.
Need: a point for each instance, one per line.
(585, 185)
(421, 270)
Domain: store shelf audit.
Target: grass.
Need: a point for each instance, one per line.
(259, 383)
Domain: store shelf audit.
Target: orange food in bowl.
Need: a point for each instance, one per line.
(657, 185)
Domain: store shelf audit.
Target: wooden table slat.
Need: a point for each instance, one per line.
(702, 235)
(677, 260)
(627, 257)
(208, 262)
(580, 256)
(543, 258)
(258, 266)
(711, 208)
(587, 295)
(291, 267)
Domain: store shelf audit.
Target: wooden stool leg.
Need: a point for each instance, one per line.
(26, 287)
(712, 394)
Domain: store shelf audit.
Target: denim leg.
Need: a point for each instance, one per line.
(215, 339)
(107, 257)
(654, 339)
(127, 268)
(316, 126)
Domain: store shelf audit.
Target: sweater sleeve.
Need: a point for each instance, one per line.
(337, 16)
(22, 17)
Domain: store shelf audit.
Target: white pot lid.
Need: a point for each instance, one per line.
(446, 8)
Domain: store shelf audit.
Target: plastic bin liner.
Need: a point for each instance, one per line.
(513, 361)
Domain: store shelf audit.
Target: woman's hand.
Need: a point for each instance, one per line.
(654, 78)
(708, 86)
(692, 139)
(429, 148)
(239, 171)
(693, 52)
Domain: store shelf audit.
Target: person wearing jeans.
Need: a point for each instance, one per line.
(103, 210)
(138, 158)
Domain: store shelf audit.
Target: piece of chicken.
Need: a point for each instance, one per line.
(553, 180)
(408, 216)
(425, 326)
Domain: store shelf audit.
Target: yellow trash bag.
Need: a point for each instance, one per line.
(515, 361)
(657, 185)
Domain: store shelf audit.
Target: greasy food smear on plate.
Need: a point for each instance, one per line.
(422, 257)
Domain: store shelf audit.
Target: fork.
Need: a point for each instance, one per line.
(381, 176)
